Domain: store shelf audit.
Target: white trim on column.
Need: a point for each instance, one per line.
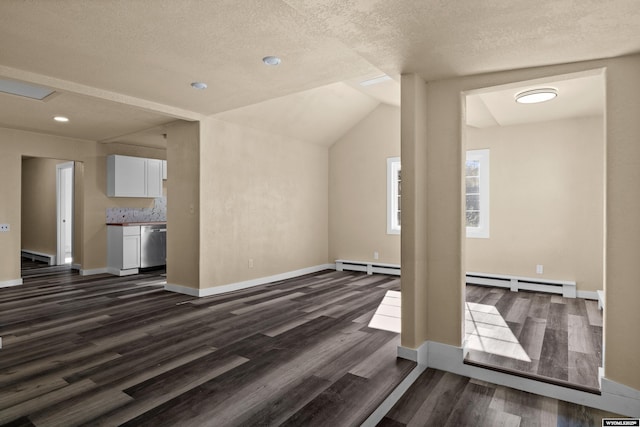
(615, 397)
(587, 294)
(8, 283)
(118, 272)
(247, 283)
(182, 290)
(93, 271)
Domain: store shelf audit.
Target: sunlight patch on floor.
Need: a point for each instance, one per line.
(487, 331)
(387, 316)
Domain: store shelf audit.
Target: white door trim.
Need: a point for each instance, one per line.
(60, 198)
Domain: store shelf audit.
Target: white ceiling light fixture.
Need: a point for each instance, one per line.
(199, 85)
(535, 96)
(271, 60)
(61, 119)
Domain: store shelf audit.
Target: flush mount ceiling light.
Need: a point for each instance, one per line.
(61, 119)
(535, 96)
(271, 60)
(199, 85)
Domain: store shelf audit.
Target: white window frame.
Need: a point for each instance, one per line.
(393, 167)
(482, 230)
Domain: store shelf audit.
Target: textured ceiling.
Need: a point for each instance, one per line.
(440, 39)
(579, 95)
(144, 53)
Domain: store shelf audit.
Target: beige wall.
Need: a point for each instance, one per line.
(39, 205)
(546, 207)
(263, 197)
(444, 219)
(358, 189)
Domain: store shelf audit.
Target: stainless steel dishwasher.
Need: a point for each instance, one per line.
(153, 245)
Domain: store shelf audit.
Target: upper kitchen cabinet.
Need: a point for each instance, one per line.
(133, 176)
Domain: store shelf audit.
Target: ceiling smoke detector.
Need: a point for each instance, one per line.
(271, 60)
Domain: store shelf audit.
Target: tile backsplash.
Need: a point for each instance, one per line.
(157, 213)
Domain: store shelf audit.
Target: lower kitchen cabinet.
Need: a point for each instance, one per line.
(123, 249)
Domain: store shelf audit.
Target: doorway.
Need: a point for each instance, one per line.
(546, 210)
(47, 214)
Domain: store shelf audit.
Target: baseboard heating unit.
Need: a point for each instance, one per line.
(367, 267)
(38, 256)
(564, 287)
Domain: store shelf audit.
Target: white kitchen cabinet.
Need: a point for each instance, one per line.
(154, 177)
(123, 249)
(133, 176)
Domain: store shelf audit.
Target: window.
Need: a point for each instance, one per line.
(393, 195)
(477, 193)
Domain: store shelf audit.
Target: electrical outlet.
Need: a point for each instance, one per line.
(250, 262)
(375, 255)
(539, 268)
(4, 228)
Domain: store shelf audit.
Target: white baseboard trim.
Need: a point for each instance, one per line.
(393, 398)
(182, 290)
(587, 295)
(600, 299)
(8, 283)
(118, 272)
(94, 271)
(247, 283)
(418, 355)
(614, 397)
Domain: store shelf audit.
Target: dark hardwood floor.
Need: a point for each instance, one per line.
(30, 264)
(540, 335)
(33, 268)
(440, 398)
(103, 350)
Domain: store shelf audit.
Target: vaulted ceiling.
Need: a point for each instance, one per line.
(119, 67)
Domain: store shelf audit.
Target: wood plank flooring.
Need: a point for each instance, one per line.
(104, 350)
(37, 268)
(440, 398)
(541, 335)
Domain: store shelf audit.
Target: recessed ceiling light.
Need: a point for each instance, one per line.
(271, 60)
(375, 80)
(61, 119)
(199, 85)
(536, 95)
